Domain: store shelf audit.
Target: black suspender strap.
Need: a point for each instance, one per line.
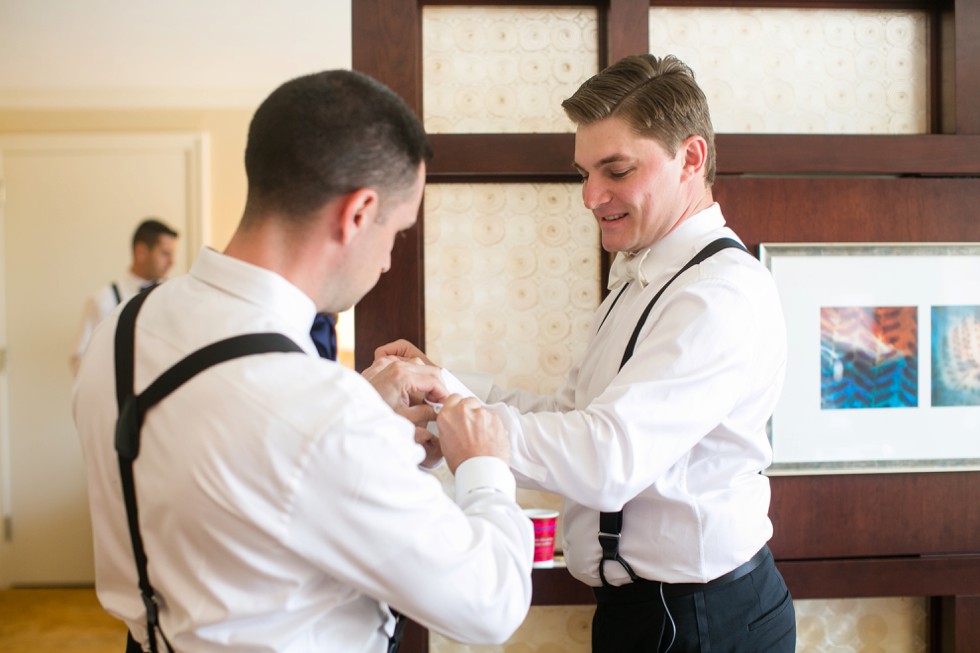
(615, 299)
(611, 523)
(610, 529)
(115, 292)
(710, 250)
(133, 409)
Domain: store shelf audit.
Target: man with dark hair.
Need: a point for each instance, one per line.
(283, 500)
(154, 246)
(658, 438)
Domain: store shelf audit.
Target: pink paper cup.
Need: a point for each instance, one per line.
(544, 535)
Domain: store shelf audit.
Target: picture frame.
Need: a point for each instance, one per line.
(883, 357)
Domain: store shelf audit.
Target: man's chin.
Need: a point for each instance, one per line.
(611, 246)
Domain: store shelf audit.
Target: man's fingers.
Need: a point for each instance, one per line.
(377, 366)
(419, 415)
(403, 349)
(403, 384)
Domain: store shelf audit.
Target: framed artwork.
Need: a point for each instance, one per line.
(883, 361)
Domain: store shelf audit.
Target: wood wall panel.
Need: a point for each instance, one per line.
(534, 155)
(851, 209)
(967, 66)
(395, 308)
(870, 515)
(960, 628)
(624, 30)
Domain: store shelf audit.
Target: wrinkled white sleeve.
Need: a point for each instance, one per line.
(684, 377)
(461, 569)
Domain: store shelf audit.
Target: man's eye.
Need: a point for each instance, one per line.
(618, 174)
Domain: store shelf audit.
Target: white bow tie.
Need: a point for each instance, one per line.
(628, 267)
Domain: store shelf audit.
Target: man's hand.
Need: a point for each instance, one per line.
(405, 383)
(467, 429)
(401, 349)
(431, 444)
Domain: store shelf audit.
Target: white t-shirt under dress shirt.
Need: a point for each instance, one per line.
(280, 498)
(678, 436)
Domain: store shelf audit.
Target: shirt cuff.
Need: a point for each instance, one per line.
(485, 473)
(478, 383)
(439, 463)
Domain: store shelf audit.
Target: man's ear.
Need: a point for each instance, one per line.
(357, 210)
(695, 151)
(140, 252)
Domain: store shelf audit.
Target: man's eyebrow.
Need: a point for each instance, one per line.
(612, 158)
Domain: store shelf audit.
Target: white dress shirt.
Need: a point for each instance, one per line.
(678, 436)
(281, 502)
(97, 307)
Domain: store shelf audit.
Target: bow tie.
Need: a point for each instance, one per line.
(626, 268)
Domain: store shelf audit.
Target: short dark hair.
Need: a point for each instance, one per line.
(149, 231)
(320, 136)
(657, 97)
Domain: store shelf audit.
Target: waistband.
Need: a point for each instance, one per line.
(646, 590)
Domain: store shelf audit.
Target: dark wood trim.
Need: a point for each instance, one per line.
(387, 45)
(415, 639)
(510, 3)
(760, 4)
(967, 65)
(927, 154)
(958, 621)
(935, 49)
(799, 4)
(521, 155)
(866, 515)
(819, 579)
(557, 587)
(882, 577)
(464, 156)
(626, 27)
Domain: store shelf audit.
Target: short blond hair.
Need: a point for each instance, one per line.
(657, 97)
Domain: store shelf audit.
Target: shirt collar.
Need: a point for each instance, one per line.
(256, 285)
(644, 265)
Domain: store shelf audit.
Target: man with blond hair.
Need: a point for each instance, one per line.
(658, 438)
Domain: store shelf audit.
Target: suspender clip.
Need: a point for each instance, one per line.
(152, 611)
(610, 545)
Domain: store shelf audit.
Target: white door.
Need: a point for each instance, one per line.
(68, 208)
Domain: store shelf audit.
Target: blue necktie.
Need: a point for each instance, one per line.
(324, 336)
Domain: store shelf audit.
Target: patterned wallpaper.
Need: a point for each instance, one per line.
(893, 625)
(504, 69)
(507, 69)
(511, 279)
(803, 70)
(512, 270)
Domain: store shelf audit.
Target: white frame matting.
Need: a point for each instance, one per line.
(818, 428)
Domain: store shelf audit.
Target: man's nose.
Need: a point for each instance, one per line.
(594, 194)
